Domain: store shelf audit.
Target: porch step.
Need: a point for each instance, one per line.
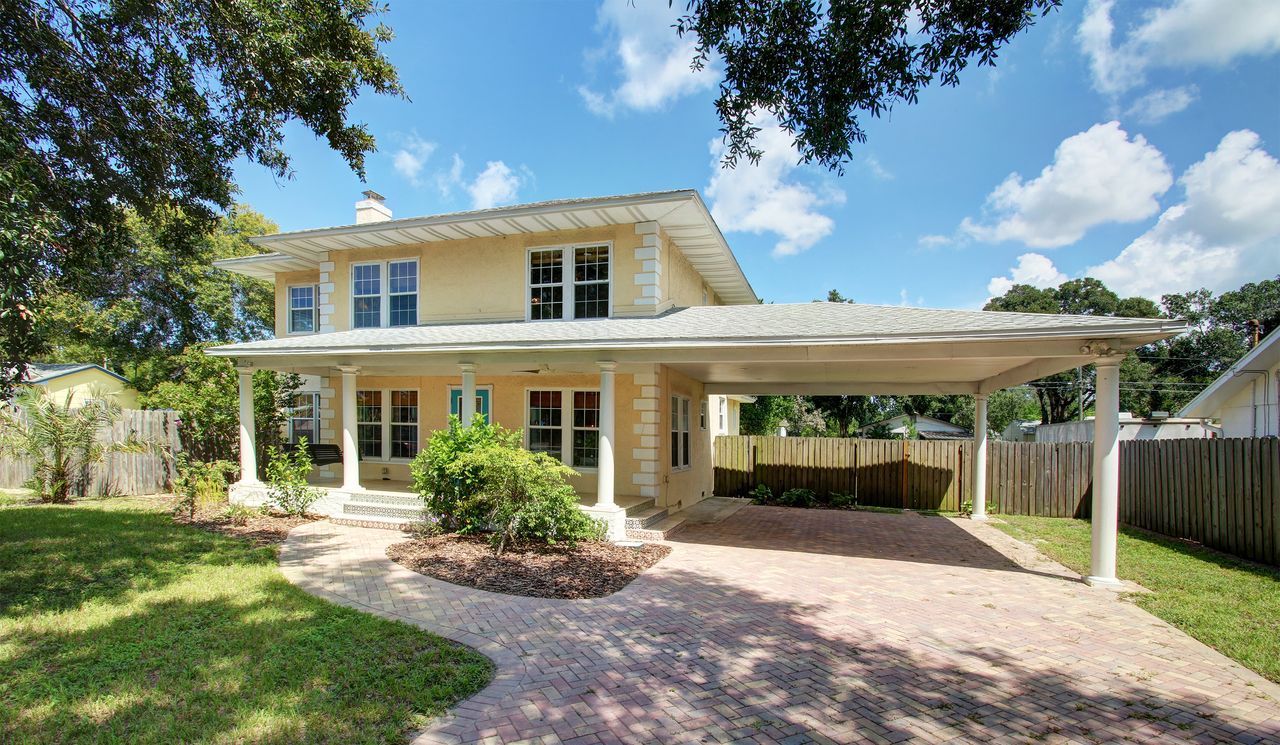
(641, 519)
(657, 531)
(384, 523)
(388, 499)
(365, 510)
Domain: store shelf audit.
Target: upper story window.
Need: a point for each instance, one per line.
(376, 303)
(302, 309)
(569, 283)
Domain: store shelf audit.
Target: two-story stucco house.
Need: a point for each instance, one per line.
(619, 333)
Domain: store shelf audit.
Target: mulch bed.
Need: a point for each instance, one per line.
(261, 530)
(591, 569)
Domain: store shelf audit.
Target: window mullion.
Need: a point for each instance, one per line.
(386, 424)
(566, 428)
(569, 283)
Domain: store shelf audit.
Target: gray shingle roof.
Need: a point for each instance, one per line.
(720, 325)
(38, 372)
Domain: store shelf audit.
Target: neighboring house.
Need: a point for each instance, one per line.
(1244, 400)
(1020, 430)
(1131, 428)
(926, 428)
(599, 327)
(81, 382)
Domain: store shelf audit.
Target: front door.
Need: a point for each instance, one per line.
(483, 395)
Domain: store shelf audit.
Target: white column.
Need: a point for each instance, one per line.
(604, 470)
(467, 406)
(248, 435)
(350, 443)
(1106, 474)
(979, 479)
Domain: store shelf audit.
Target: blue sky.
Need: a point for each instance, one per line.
(1135, 142)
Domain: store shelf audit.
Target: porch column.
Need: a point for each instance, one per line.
(248, 434)
(1106, 474)
(604, 470)
(979, 479)
(350, 443)
(467, 406)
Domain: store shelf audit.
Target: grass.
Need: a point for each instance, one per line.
(1230, 604)
(117, 625)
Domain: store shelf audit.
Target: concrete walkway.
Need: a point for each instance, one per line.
(780, 625)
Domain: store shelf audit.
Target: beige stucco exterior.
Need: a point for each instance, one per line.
(90, 383)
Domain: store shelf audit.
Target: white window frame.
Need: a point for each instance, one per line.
(724, 415)
(315, 417)
(386, 424)
(566, 420)
(683, 407)
(315, 308)
(385, 294)
(567, 253)
(702, 414)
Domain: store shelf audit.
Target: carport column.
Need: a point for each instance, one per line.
(1106, 474)
(979, 467)
(467, 406)
(350, 443)
(604, 467)
(248, 435)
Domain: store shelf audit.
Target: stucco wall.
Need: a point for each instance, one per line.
(87, 384)
(508, 405)
(680, 488)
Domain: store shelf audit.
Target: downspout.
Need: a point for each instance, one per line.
(1266, 398)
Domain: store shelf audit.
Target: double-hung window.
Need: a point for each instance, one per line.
(302, 309)
(557, 417)
(569, 283)
(724, 415)
(679, 432)
(393, 302)
(387, 424)
(304, 418)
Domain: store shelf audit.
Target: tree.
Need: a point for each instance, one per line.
(205, 391)
(107, 106)
(160, 299)
(1067, 395)
(765, 414)
(817, 67)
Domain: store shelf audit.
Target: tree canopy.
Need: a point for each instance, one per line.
(818, 67)
(110, 107)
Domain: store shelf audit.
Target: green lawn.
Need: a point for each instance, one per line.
(118, 626)
(1229, 604)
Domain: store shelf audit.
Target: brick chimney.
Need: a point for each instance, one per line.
(372, 208)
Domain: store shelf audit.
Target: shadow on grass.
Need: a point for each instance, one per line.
(122, 627)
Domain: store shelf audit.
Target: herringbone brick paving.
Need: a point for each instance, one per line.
(809, 626)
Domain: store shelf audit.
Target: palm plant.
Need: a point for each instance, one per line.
(61, 443)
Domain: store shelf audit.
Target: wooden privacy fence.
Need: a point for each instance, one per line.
(1223, 493)
(120, 473)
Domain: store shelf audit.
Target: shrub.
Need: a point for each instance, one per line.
(524, 496)
(761, 494)
(287, 479)
(238, 514)
(201, 485)
(446, 488)
(798, 498)
(842, 501)
(428, 527)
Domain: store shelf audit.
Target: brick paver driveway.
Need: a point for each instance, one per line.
(806, 625)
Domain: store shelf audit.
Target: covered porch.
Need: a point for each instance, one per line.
(696, 353)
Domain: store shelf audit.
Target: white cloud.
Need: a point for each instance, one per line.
(1226, 232)
(653, 60)
(447, 181)
(877, 169)
(1185, 33)
(904, 299)
(1162, 103)
(410, 159)
(1097, 176)
(1032, 269)
(934, 240)
(766, 198)
(496, 184)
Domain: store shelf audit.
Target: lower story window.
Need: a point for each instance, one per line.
(559, 417)
(387, 424)
(304, 418)
(679, 432)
